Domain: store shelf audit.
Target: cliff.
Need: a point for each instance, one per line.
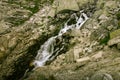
(90, 53)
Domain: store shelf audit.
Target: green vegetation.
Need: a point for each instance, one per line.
(32, 6)
(101, 35)
(118, 18)
(18, 17)
(105, 40)
(115, 34)
(118, 15)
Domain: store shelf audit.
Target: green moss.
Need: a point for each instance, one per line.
(101, 35)
(41, 77)
(118, 15)
(119, 24)
(115, 34)
(16, 21)
(118, 18)
(34, 10)
(105, 40)
(17, 18)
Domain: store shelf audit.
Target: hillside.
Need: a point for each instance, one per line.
(86, 48)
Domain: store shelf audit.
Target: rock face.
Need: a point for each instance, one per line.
(74, 5)
(22, 31)
(68, 5)
(91, 53)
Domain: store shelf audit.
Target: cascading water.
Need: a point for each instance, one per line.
(47, 51)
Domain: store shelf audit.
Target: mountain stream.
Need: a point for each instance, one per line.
(48, 51)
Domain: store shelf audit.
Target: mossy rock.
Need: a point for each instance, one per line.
(115, 33)
(17, 17)
(101, 35)
(119, 23)
(118, 15)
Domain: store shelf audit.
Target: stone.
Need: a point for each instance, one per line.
(67, 5)
(74, 5)
(52, 12)
(97, 14)
(84, 59)
(12, 43)
(110, 27)
(19, 43)
(118, 45)
(3, 27)
(101, 76)
(114, 41)
(81, 3)
(69, 56)
(114, 34)
(108, 4)
(98, 55)
(75, 33)
(103, 17)
(77, 52)
(20, 36)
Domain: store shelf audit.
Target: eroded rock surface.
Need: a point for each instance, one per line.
(92, 53)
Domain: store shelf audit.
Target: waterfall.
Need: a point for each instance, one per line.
(47, 51)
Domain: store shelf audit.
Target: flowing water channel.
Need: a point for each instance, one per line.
(48, 51)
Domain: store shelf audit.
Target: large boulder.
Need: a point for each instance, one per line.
(67, 5)
(74, 5)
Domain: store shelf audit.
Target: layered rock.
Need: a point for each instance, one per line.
(22, 31)
(89, 56)
(91, 52)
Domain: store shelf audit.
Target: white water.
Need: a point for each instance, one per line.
(46, 51)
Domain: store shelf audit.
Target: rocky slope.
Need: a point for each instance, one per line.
(91, 53)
